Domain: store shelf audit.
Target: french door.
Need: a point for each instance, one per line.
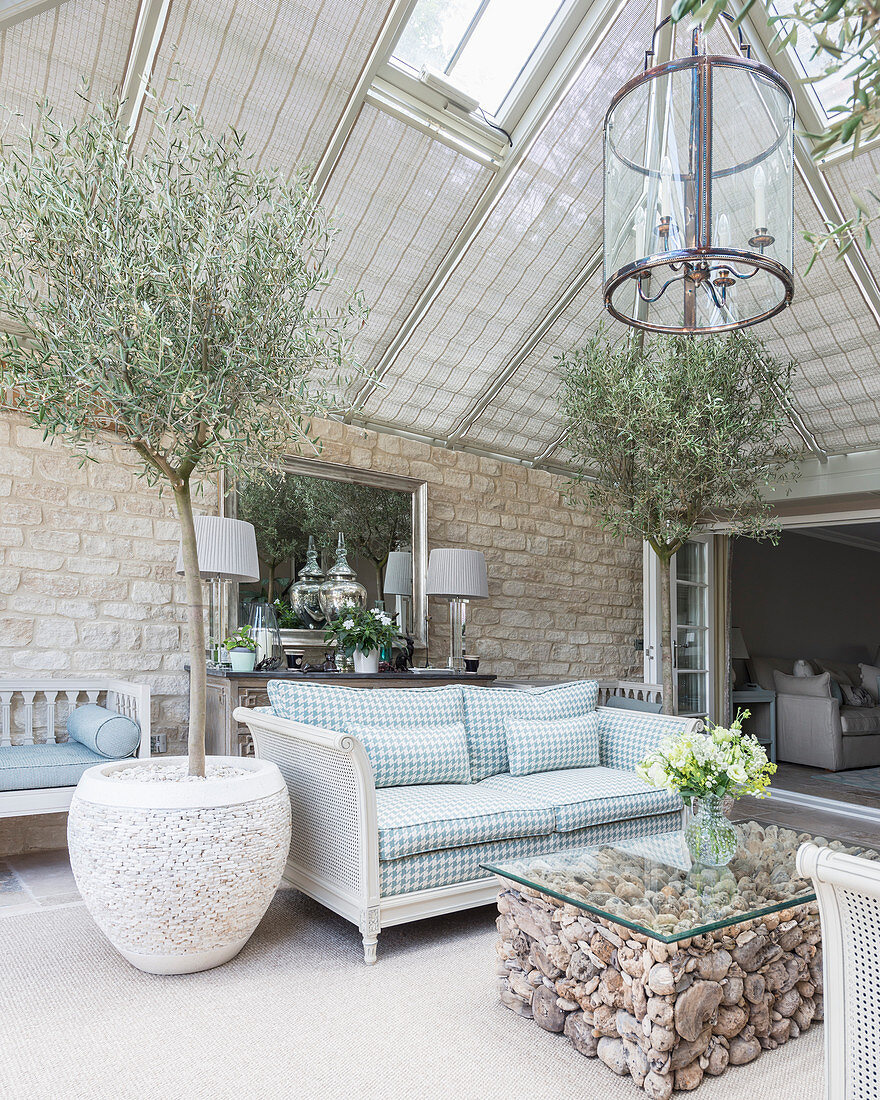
(692, 641)
(693, 644)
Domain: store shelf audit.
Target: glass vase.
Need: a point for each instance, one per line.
(711, 838)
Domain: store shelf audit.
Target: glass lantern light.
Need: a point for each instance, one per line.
(698, 207)
(264, 629)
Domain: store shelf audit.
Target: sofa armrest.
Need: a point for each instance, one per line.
(627, 736)
(335, 837)
(809, 731)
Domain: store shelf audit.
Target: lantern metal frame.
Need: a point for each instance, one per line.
(700, 263)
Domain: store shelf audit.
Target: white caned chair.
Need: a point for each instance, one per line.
(35, 712)
(848, 891)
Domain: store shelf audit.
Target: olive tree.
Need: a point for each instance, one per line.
(168, 297)
(272, 505)
(669, 433)
(840, 38)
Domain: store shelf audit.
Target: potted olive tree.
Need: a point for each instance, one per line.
(169, 298)
(672, 432)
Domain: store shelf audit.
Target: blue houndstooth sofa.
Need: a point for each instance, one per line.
(399, 794)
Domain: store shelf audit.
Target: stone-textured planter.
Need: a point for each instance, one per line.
(664, 1014)
(178, 874)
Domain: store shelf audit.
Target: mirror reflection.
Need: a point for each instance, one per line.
(326, 544)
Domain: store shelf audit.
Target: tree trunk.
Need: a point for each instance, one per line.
(270, 584)
(195, 618)
(667, 649)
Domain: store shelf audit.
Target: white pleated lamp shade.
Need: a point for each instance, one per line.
(738, 648)
(399, 574)
(227, 549)
(457, 574)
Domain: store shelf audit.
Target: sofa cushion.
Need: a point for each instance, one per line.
(333, 706)
(843, 674)
(856, 721)
(627, 736)
(764, 667)
(105, 732)
(486, 707)
(870, 677)
(587, 796)
(538, 745)
(420, 754)
(427, 818)
(813, 686)
(32, 767)
(429, 870)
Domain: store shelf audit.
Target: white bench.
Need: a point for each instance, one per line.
(35, 712)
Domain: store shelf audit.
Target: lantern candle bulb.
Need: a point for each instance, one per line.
(722, 231)
(666, 188)
(760, 199)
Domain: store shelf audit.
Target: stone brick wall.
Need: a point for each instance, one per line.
(87, 580)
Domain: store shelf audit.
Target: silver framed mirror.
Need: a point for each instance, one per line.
(368, 557)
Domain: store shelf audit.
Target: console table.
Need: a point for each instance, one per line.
(228, 690)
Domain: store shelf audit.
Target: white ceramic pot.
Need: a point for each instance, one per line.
(366, 662)
(178, 874)
(243, 660)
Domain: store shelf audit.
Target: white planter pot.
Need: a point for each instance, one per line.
(243, 660)
(366, 662)
(178, 874)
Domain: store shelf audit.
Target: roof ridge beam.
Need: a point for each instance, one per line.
(579, 51)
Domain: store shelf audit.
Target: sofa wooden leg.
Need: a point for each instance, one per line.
(370, 926)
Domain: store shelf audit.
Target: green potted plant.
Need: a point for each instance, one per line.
(362, 634)
(705, 768)
(242, 649)
(169, 298)
(668, 433)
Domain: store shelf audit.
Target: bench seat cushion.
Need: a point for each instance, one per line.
(452, 815)
(580, 797)
(33, 767)
(430, 870)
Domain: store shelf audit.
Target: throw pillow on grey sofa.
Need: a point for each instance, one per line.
(803, 668)
(816, 686)
(858, 696)
(870, 678)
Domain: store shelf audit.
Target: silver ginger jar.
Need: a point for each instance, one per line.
(304, 598)
(342, 588)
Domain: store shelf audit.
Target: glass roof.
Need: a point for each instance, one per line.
(831, 89)
(482, 46)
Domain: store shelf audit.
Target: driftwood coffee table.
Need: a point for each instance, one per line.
(663, 970)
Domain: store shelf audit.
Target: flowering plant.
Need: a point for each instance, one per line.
(716, 762)
(359, 629)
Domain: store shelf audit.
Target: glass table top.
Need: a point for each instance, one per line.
(652, 886)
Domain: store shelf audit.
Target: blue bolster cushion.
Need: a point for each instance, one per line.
(104, 731)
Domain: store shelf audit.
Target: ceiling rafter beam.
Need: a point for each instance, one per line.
(497, 384)
(17, 11)
(577, 54)
(395, 20)
(146, 39)
(385, 427)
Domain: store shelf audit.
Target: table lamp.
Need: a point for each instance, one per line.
(739, 651)
(227, 551)
(399, 584)
(457, 576)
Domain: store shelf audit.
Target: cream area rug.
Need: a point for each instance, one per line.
(298, 1015)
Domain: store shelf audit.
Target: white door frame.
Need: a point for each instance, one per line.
(656, 647)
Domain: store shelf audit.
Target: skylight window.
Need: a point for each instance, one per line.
(831, 89)
(481, 46)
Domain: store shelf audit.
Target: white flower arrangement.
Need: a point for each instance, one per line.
(362, 630)
(718, 761)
